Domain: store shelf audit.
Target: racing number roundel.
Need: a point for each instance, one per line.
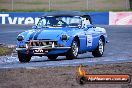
(89, 39)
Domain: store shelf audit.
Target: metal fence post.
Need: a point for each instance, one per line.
(127, 4)
(130, 3)
(12, 3)
(87, 4)
(49, 5)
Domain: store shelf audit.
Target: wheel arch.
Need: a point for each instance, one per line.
(73, 54)
(77, 38)
(103, 38)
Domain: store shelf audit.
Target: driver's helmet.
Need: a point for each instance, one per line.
(85, 22)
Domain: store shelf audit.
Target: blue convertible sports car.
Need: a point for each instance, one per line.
(61, 33)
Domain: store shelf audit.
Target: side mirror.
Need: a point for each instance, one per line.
(34, 27)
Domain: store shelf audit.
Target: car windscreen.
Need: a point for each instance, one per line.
(59, 21)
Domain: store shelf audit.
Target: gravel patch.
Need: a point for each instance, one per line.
(60, 77)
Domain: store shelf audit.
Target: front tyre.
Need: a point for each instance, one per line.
(23, 58)
(73, 52)
(98, 52)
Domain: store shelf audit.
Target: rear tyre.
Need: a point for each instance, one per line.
(23, 58)
(98, 52)
(52, 57)
(73, 52)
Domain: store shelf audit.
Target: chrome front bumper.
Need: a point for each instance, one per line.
(33, 48)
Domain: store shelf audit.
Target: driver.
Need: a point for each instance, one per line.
(85, 22)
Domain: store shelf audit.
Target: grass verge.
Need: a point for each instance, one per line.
(5, 51)
(47, 10)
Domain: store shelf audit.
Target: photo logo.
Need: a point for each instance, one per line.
(83, 78)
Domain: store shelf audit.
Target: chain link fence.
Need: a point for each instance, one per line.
(64, 5)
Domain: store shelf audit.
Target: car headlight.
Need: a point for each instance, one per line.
(64, 37)
(20, 38)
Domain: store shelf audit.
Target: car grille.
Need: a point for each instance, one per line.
(47, 43)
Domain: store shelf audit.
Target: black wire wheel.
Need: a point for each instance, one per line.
(73, 52)
(98, 52)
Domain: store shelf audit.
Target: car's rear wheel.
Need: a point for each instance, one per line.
(23, 58)
(52, 57)
(73, 52)
(98, 52)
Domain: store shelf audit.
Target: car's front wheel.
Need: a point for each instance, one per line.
(98, 52)
(52, 57)
(73, 52)
(23, 58)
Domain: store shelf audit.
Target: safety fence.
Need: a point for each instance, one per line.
(64, 5)
(99, 18)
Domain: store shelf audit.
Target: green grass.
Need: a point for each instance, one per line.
(39, 2)
(119, 10)
(66, 2)
(31, 3)
(47, 10)
(5, 51)
(111, 1)
(43, 5)
(23, 10)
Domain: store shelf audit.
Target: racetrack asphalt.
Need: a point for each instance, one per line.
(118, 50)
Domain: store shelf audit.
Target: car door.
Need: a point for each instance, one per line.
(91, 38)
